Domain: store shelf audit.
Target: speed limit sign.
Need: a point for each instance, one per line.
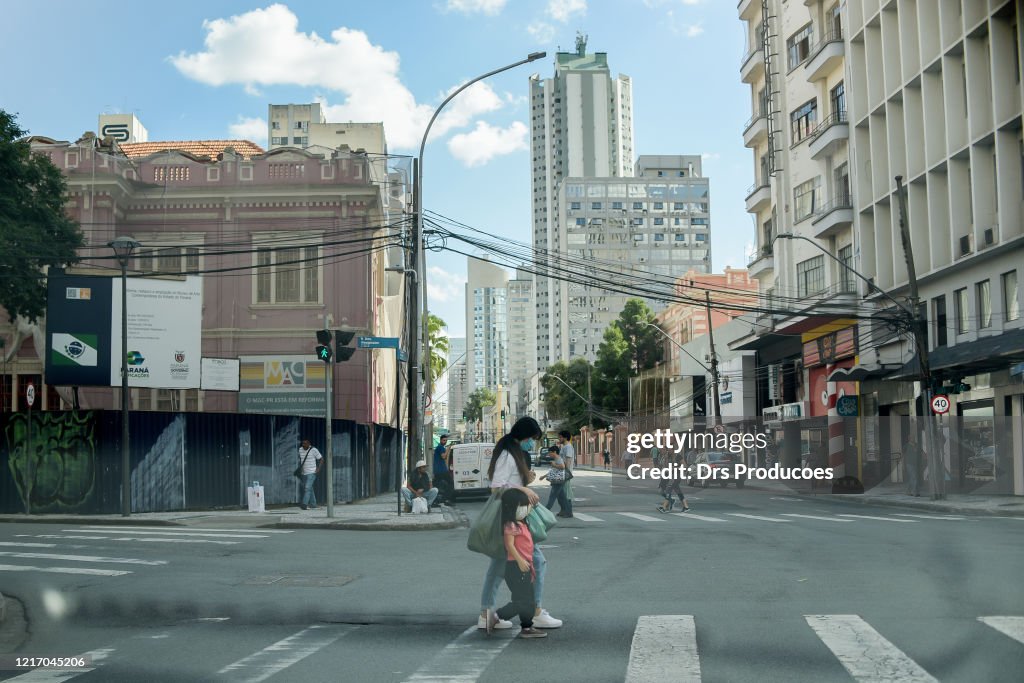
(940, 404)
(30, 394)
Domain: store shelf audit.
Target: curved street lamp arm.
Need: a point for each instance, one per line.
(677, 344)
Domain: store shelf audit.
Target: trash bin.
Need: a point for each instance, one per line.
(255, 496)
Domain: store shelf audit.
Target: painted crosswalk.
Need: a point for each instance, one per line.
(717, 517)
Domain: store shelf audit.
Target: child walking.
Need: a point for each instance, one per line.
(519, 572)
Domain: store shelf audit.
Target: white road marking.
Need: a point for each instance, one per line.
(141, 539)
(1010, 626)
(882, 519)
(586, 518)
(703, 518)
(642, 518)
(81, 558)
(664, 648)
(791, 500)
(763, 519)
(10, 544)
(232, 534)
(275, 658)
(863, 652)
(58, 675)
(825, 519)
(906, 514)
(465, 658)
(61, 570)
(150, 530)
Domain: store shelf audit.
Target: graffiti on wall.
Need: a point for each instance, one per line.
(59, 467)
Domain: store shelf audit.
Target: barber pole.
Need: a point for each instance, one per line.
(835, 427)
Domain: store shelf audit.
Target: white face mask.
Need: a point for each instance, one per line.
(522, 511)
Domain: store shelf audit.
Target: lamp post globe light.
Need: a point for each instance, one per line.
(419, 349)
(123, 247)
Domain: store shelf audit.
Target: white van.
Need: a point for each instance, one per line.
(469, 468)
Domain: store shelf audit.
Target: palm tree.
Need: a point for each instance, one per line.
(439, 347)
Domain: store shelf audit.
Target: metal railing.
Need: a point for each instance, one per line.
(833, 36)
(752, 120)
(758, 184)
(841, 201)
(834, 119)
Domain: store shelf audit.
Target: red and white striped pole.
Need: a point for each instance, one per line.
(835, 427)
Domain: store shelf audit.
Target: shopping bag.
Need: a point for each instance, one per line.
(419, 506)
(485, 535)
(540, 520)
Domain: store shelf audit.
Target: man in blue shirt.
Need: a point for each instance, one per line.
(443, 479)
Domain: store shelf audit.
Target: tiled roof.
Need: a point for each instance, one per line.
(199, 148)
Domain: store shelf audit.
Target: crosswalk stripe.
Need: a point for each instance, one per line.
(82, 558)
(12, 544)
(1010, 626)
(864, 652)
(275, 658)
(586, 518)
(763, 519)
(825, 519)
(463, 659)
(150, 530)
(59, 675)
(140, 539)
(642, 518)
(703, 518)
(230, 534)
(791, 500)
(907, 514)
(882, 519)
(62, 570)
(664, 648)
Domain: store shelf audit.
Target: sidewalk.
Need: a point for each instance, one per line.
(890, 496)
(373, 514)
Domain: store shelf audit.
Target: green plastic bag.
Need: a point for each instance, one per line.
(540, 520)
(485, 535)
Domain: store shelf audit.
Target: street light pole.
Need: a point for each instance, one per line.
(418, 364)
(714, 359)
(123, 248)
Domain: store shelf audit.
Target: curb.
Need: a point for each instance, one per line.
(929, 505)
(86, 519)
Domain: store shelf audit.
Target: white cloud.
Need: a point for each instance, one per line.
(694, 30)
(264, 47)
(444, 286)
(486, 142)
(562, 10)
(252, 129)
(710, 156)
(541, 31)
(476, 6)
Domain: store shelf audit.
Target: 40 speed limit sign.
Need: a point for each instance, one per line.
(940, 404)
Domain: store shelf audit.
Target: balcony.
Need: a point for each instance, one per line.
(755, 131)
(752, 66)
(763, 263)
(828, 135)
(747, 9)
(759, 195)
(825, 56)
(833, 217)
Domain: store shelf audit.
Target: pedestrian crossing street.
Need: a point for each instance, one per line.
(662, 647)
(696, 516)
(67, 552)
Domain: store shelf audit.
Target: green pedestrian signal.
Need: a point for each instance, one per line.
(323, 353)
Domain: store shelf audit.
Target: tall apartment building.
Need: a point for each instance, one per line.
(581, 126)
(486, 326)
(652, 226)
(304, 125)
(456, 372)
(522, 327)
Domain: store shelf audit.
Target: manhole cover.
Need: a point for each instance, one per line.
(300, 581)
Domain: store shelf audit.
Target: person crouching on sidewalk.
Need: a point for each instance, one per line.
(519, 573)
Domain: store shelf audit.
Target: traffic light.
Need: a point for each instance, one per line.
(323, 349)
(343, 351)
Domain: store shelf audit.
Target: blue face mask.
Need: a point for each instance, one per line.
(528, 445)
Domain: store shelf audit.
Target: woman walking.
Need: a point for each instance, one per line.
(509, 470)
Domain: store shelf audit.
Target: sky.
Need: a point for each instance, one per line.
(202, 70)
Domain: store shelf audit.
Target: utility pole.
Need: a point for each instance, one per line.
(415, 343)
(714, 361)
(590, 402)
(936, 463)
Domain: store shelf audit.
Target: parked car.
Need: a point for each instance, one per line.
(983, 464)
(719, 463)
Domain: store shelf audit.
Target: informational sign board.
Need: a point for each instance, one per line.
(78, 319)
(219, 374)
(30, 394)
(282, 385)
(846, 406)
(377, 342)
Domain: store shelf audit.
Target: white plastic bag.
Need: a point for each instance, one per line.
(419, 506)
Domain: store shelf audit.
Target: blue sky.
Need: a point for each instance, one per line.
(199, 70)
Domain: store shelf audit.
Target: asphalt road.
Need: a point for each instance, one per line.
(748, 586)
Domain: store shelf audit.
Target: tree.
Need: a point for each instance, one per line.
(569, 404)
(439, 347)
(629, 347)
(477, 401)
(35, 231)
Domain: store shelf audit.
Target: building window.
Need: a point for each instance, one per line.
(678, 206)
(595, 205)
(575, 206)
(176, 260)
(275, 125)
(680, 238)
(581, 221)
(799, 46)
(659, 221)
(846, 269)
(289, 275)
(303, 141)
(659, 206)
(810, 276)
(279, 140)
(639, 205)
(837, 98)
(678, 221)
(960, 310)
(803, 120)
(984, 293)
(805, 199)
(616, 205)
(940, 320)
(701, 237)
(659, 237)
(1011, 304)
(768, 236)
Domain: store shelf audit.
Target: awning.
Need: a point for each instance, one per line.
(988, 354)
(859, 373)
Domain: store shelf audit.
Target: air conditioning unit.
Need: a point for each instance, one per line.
(966, 244)
(642, 259)
(990, 236)
(573, 340)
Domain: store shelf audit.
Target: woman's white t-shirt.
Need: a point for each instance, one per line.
(506, 474)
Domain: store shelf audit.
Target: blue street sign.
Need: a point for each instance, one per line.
(378, 342)
(402, 355)
(847, 406)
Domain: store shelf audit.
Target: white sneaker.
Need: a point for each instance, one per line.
(545, 620)
(499, 625)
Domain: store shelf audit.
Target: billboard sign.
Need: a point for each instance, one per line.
(78, 319)
(281, 385)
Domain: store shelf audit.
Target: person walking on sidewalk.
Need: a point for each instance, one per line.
(556, 477)
(674, 486)
(607, 458)
(310, 461)
(519, 570)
